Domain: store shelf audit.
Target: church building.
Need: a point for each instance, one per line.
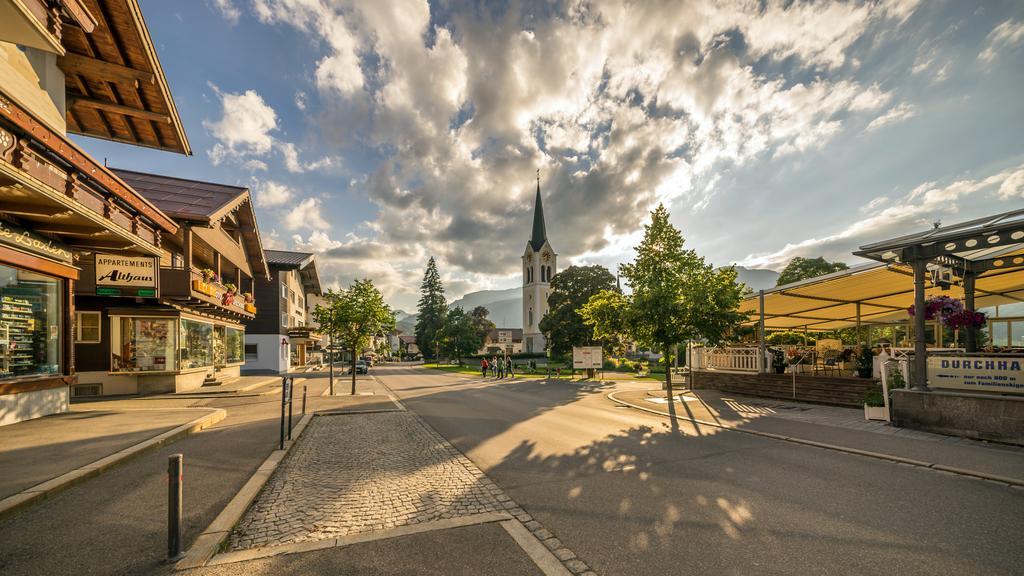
(539, 265)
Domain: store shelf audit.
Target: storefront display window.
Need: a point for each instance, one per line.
(30, 313)
(196, 344)
(143, 345)
(235, 345)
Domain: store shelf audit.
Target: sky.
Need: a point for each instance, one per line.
(378, 134)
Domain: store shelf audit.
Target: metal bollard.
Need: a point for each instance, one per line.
(303, 399)
(284, 398)
(291, 395)
(174, 491)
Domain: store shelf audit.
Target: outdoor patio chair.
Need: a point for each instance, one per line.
(827, 362)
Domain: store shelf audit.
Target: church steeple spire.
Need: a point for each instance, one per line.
(540, 233)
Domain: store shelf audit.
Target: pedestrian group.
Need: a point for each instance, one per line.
(498, 367)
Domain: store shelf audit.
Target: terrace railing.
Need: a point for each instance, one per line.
(728, 359)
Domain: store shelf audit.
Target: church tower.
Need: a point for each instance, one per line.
(539, 265)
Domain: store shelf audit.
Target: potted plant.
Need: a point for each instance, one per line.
(779, 361)
(874, 405)
(208, 274)
(865, 362)
(248, 297)
(230, 288)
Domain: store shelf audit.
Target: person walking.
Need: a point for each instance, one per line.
(494, 366)
(508, 367)
(501, 369)
(483, 366)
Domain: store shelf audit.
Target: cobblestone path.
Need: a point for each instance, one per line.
(351, 474)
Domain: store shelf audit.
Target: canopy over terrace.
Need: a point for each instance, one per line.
(980, 261)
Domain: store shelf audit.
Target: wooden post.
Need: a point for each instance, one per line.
(186, 246)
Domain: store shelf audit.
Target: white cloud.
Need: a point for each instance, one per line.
(917, 209)
(1007, 35)
(301, 100)
(227, 9)
(306, 214)
(290, 154)
(898, 113)
(269, 194)
(244, 127)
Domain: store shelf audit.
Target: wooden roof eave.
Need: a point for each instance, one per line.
(158, 70)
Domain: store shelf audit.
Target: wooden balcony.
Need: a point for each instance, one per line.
(188, 288)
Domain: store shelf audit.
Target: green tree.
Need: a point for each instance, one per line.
(482, 325)
(458, 337)
(676, 296)
(571, 289)
(432, 310)
(354, 316)
(804, 268)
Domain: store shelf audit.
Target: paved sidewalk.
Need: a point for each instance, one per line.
(360, 473)
(35, 451)
(844, 427)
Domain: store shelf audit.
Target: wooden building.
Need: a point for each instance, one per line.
(283, 335)
(185, 327)
(86, 67)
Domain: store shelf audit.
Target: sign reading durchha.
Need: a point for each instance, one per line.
(30, 242)
(130, 275)
(1002, 375)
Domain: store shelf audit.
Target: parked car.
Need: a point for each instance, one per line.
(361, 368)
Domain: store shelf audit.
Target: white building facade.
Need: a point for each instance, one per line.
(540, 264)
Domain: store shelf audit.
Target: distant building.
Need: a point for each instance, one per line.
(281, 336)
(539, 266)
(407, 345)
(503, 341)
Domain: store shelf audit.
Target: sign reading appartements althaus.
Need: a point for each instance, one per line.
(136, 273)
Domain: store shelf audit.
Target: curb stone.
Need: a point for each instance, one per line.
(1014, 482)
(207, 544)
(54, 485)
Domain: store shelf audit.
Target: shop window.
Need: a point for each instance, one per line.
(234, 348)
(252, 351)
(142, 344)
(196, 344)
(87, 327)
(30, 312)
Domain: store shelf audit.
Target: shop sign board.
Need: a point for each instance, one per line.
(126, 275)
(27, 241)
(1003, 375)
(586, 357)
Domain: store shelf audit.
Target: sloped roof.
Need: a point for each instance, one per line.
(116, 88)
(285, 258)
(204, 203)
(185, 199)
(540, 233)
(304, 262)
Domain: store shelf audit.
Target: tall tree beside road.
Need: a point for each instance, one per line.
(571, 289)
(354, 316)
(432, 310)
(804, 268)
(482, 325)
(676, 296)
(458, 337)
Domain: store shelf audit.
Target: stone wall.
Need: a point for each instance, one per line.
(979, 416)
(834, 390)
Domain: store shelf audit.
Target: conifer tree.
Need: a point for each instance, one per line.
(432, 311)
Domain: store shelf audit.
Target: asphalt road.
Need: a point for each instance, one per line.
(632, 494)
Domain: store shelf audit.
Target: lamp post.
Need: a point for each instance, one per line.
(330, 350)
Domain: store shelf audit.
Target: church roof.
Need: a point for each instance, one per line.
(540, 233)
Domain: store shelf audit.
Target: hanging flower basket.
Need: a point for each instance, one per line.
(950, 312)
